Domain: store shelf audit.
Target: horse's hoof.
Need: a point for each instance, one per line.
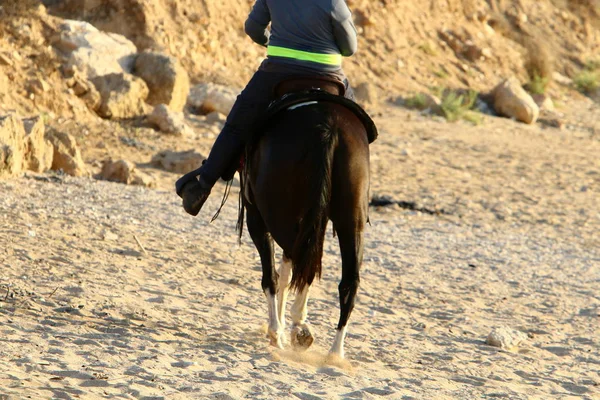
(275, 340)
(302, 337)
(194, 196)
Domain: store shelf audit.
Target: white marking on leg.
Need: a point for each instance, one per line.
(338, 343)
(299, 311)
(302, 337)
(285, 277)
(274, 331)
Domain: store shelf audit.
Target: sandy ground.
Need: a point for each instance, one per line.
(512, 240)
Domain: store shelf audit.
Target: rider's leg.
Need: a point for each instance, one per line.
(194, 187)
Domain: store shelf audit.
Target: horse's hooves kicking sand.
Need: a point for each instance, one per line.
(301, 337)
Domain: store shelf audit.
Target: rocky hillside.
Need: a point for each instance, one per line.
(115, 73)
(403, 44)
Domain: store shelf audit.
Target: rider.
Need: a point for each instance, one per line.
(307, 38)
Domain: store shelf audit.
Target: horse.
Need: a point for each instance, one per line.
(310, 165)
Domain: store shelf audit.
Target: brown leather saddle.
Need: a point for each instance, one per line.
(296, 90)
(300, 84)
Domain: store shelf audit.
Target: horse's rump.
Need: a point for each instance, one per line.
(290, 176)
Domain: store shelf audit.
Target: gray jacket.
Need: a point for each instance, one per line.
(315, 26)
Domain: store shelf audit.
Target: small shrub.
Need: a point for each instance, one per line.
(428, 48)
(454, 106)
(417, 101)
(587, 81)
(592, 65)
(441, 73)
(474, 117)
(538, 84)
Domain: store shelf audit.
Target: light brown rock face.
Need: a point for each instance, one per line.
(167, 81)
(39, 152)
(512, 101)
(122, 95)
(67, 156)
(23, 146)
(12, 145)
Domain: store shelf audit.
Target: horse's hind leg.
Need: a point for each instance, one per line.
(285, 277)
(349, 211)
(351, 247)
(301, 334)
(264, 244)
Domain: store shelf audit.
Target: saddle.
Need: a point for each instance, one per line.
(295, 91)
(299, 90)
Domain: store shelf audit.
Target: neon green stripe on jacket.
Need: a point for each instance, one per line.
(329, 59)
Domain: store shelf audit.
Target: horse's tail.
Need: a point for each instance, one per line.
(308, 248)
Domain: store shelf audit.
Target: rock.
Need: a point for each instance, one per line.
(366, 93)
(12, 145)
(167, 81)
(5, 59)
(512, 101)
(67, 156)
(122, 95)
(544, 102)
(39, 152)
(168, 121)
(84, 89)
(123, 171)
(215, 117)
(180, 162)
(561, 79)
(208, 97)
(95, 53)
(37, 86)
(505, 338)
(23, 146)
(472, 52)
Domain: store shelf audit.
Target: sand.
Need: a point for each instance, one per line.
(112, 291)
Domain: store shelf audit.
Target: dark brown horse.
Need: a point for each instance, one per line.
(310, 166)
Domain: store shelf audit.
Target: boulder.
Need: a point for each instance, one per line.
(366, 93)
(167, 81)
(505, 338)
(122, 95)
(123, 171)
(12, 145)
(23, 146)
(168, 121)
(180, 162)
(512, 101)
(85, 90)
(67, 156)
(93, 52)
(208, 97)
(39, 152)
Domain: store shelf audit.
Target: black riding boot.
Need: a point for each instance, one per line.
(194, 187)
